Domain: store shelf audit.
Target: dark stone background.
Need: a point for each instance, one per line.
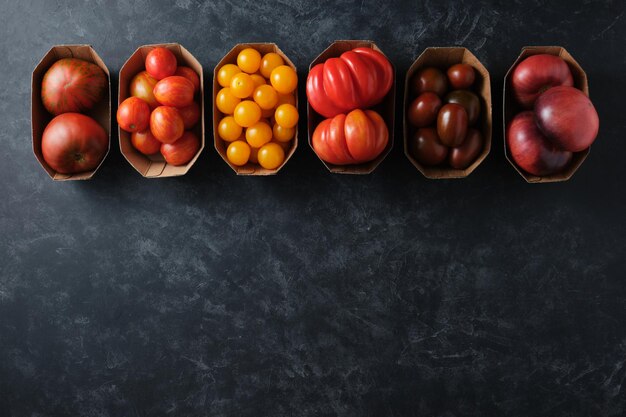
(311, 294)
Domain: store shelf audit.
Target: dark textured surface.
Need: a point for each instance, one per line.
(311, 294)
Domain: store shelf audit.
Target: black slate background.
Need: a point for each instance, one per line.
(311, 294)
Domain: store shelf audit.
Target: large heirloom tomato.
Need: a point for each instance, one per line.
(73, 142)
(359, 78)
(360, 136)
(72, 85)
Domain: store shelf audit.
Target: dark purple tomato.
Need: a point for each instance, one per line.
(430, 79)
(462, 156)
(461, 76)
(452, 124)
(469, 101)
(427, 148)
(423, 110)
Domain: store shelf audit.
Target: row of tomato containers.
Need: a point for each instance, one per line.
(549, 121)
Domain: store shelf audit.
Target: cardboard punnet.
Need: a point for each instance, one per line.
(511, 108)
(40, 116)
(220, 144)
(385, 108)
(443, 58)
(154, 166)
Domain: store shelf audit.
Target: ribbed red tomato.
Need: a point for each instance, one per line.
(360, 136)
(72, 85)
(359, 78)
(142, 86)
(166, 124)
(181, 151)
(174, 91)
(145, 142)
(191, 75)
(161, 63)
(133, 115)
(73, 142)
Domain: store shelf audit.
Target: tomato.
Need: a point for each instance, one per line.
(174, 91)
(429, 79)
(423, 110)
(286, 99)
(191, 75)
(452, 124)
(242, 85)
(72, 85)
(228, 129)
(166, 124)
(266, 97)
(258, 134)
(161, 63)
(284, 79)
(238, 153)
(133, 115)
(145, 142)
(469, 101)
(461, 76)
(462, 156)
(258, 80)
(359, 78)
(358, 137)
(190, 114)
(247, 113)
(283, 134)
(271, 156)
(286, 115)
(73, 142)
(249, 60)
(226, 74)
(426, 147)
(270, 61)
(182, 151)
(142, 86)
(226, 101)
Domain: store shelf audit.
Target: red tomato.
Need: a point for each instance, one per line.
(72, 85)
(191, 75)
(166, 124)
(145, 142)
(359, 78)
(133, 115)
(181, 151)
(174, 91)
(73, 142)
(142, 86)
(161, 63)
(190, 114)
(355, 138)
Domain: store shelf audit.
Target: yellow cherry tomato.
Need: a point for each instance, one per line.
(269, 62)
(286, 99)
(283, 134)
(247, 113)
(241, 85)
(254, 153)
(265, 96)
(286, 115)
(228, 129)
(271, 155)
(238, 153)
(226, 101)
(258, 134)
(284, 79)
(249, 60)
(258, 80)
(226, 74)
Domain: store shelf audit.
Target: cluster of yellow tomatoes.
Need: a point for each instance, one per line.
(259, 107)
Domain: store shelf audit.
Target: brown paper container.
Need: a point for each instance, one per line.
(386, 108)
(443, 58)
(154, 166)
(220, 144)
(511, 108)
(40, 116)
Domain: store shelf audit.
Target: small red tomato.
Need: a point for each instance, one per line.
(142, 86)
(452, 124)
(430, 79)
(174, 91)
(461, 76)
(427, 148)
(191, 75)
(145, 142)
(190, 114)
(423, 110)
(161, 63)
(133, 115)
(462, 156)
(166, 124)
(469, 101)
(181, 151)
